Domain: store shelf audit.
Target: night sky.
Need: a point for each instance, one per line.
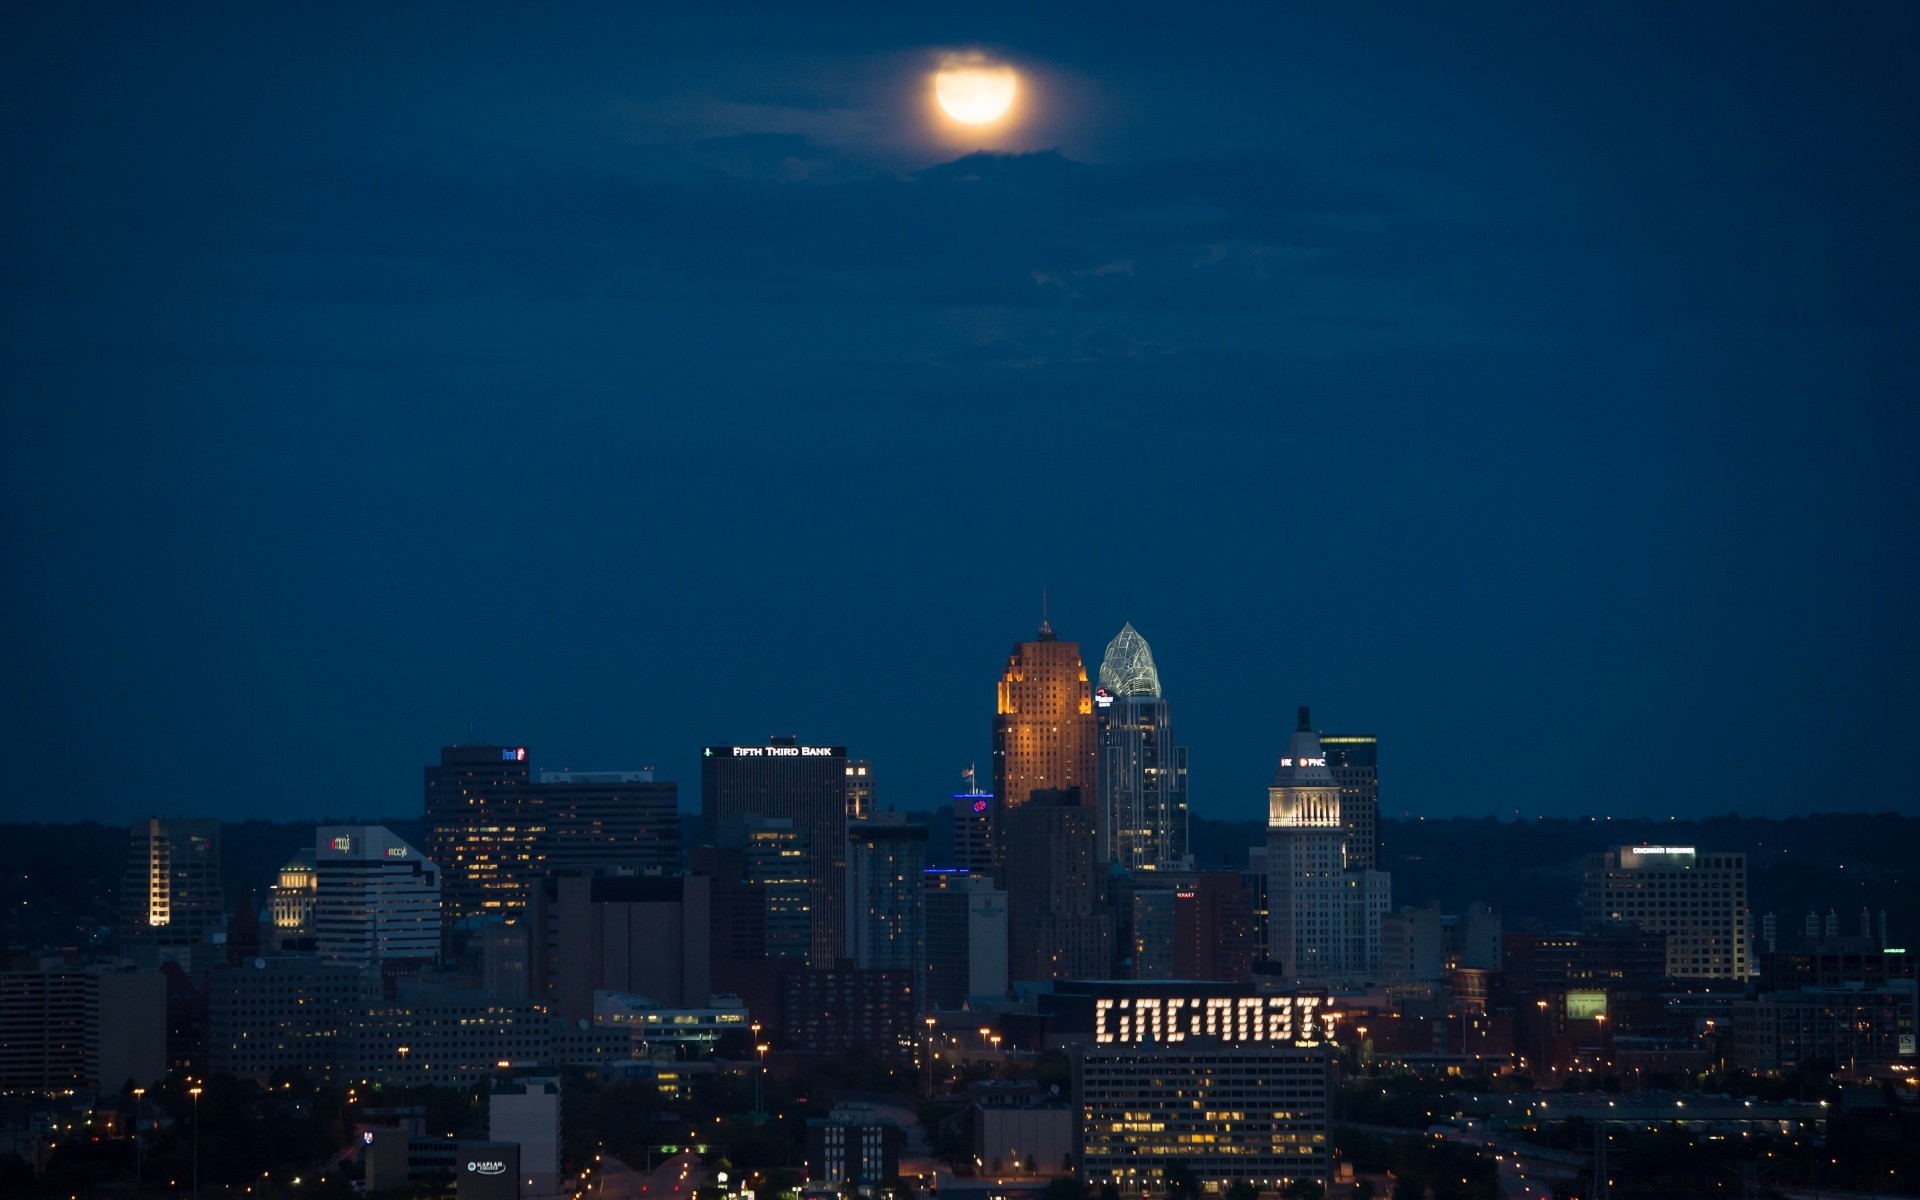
(1532, 385)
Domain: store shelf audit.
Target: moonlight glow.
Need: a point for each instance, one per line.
(973, 90)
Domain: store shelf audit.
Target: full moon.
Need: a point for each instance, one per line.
(974, 90)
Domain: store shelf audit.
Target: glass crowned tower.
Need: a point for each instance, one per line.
(1143, 775)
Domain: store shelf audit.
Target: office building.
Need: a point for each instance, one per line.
(862, 788)
(484, 831)
(1698, 901)
(376, 900)
(1230, 1083)
(806, 785)
(1213, 935)
(1057, 927)
(853, 1149)
(292, 899)
(605, 820)
(887, 913)
(966, 940)
(828, 1010)
(779, 864)
(1354, 759)
(281, 1014)
(1323, 916)
(1616, 958)
(1043, 730)
(525, 1112)
(1849, 1030)
(1142, 773)
(94, 1028)
(171, 901)
(976, 829)
(643, 934)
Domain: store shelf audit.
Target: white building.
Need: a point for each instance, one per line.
(376, 899)
(1323, 914)
(1699, 901)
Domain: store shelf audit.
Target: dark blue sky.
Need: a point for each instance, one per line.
(1532, 385)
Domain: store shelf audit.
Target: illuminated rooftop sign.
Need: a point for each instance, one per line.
(1303, 762)
(776, 752)
(514, 754)
(1228, 1020)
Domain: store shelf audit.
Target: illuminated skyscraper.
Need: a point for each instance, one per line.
(493, 832)
(1043, 733)
(806, 785)
(1354, 759)
(484, 830)
(1323, 915)
(376, 899)
(293, 897)
(1143, 775)
(171, 901)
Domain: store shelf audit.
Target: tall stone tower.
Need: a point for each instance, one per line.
(1043, 731)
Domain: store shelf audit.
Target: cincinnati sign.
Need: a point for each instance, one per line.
(1229, 1020)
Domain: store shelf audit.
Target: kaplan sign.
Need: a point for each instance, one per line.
(1229, 1020)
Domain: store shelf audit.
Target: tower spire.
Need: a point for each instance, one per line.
(1046, 630)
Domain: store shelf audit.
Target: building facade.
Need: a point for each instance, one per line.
(643, 934)
(1323, 914)
(1230, 1083)
(376, 899)
(1697, 901)
(1142, 773)
(887, 910)
(1057, 925)
(806, 785)
(1354, 759)
(1043, 729)
(966, 940)
(607, 820)
(171, 900)
(484, 831)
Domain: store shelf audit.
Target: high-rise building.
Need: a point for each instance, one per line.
(966, 940)
(171, 901)
(1323, 915)
(1056, 925)
(1143, 775)
(94, 1028)
(647, 935)
(609, 819)
(806, 785)
(1698, 901)
(1354, 759)
(862, 787)
(484, 831)
(376, 900)
(1043, 732)
(976, 829)
(779, 864)
(887, 913)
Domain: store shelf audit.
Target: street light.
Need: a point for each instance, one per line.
(139, 1094)
(195, 1093)
(758, 1110)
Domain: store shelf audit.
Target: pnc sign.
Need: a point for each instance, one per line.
(1303, 762)
(1229, 1020)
